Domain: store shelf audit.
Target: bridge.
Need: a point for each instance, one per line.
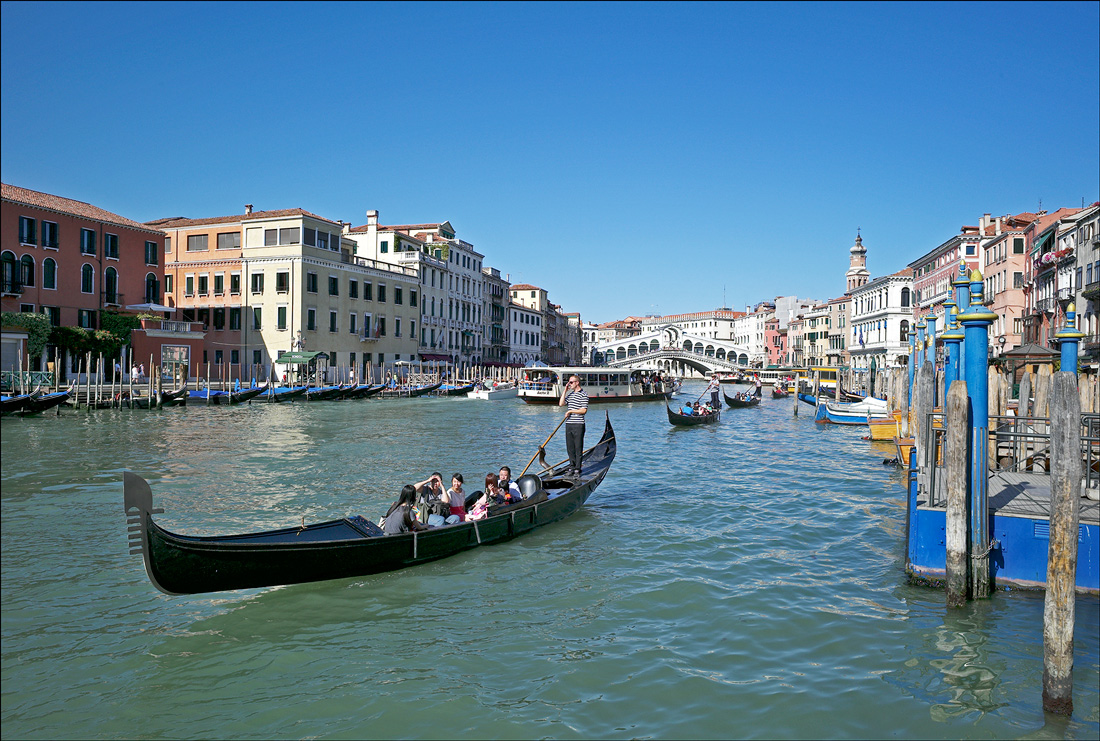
(673, 350)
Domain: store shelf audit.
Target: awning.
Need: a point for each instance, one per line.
(1038, 246)
(429, 356)
(299, 358)
(149, 307)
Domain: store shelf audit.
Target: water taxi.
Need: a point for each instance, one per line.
(545, 385)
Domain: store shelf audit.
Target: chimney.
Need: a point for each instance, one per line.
(372, 217)
(1000, 224)
(247, 209)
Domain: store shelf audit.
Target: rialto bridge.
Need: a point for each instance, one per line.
(673, 350)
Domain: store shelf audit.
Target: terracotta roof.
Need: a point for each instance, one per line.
(178, 222)
(525, 287)
(67, 206)
(1043, 222)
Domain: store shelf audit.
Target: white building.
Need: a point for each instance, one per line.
(525, 324)
(452, 284)
(881, 314)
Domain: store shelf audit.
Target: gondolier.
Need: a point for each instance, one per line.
(577, 400)
(713, 389)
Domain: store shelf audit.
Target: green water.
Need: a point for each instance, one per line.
(740, 580)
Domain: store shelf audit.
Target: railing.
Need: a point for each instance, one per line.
(11, 286)
(111, 298)
(1045, 304)
(1065, 294)
(1017, 445)
(29, 380)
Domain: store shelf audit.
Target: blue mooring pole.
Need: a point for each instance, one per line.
(1069, 337)
(976, 320)
(962, 300)
(931, 354)
(912, 365)
(952, 342)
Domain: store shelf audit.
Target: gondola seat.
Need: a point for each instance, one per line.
(528, 484)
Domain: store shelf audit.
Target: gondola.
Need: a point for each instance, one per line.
(458, 390)
(283, 393)
(39, 404)
(246, 394)
(344, 548)
(177, 398)
(12, 404)
(324, 393)
(684, 420)
(167, 398)
(778, 393)
(736, 402)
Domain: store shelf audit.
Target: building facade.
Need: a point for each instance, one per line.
(526, 345)
(881, 314)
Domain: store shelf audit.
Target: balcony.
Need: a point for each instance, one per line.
(1065, 295)
(1092, 290)
(11, 288)
(1045, 305)
(111, 298)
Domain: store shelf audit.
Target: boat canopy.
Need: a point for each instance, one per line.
(299, 358)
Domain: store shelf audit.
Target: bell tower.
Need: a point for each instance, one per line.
(857, 274)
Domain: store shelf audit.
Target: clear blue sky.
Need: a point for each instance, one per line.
(631, 159)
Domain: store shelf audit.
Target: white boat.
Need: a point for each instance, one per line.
(544, 385)
(505, 390)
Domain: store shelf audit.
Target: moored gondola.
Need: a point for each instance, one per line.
(738, 401)
(348, 547)
(12, 404)
(688, 420)
(246, 394)
(39, 404)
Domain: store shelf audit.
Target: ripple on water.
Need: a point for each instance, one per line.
(735, 580)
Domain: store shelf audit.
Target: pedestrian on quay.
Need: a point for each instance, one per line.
(577, 400)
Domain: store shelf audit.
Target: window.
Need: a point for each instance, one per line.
(311, 282)
(271, 237)
(352, 317)
(167, 245)
(412, 297)
(397, 327)
(189, 286)
(311, 319)
(49, 274)
(289, 235)
(970, 250)
(152, 289)
(27, 231)
(397, 295)
(219, 284)
(382, 293)
(235, 318)
(333, 285)
(87, 279)
(151, 253)
(381, 331)
(54, 313)
(322, 241)
(204, 285)
(257, 357)
(218, 356)
(110, 245)
(26, 271)
(85, 318)
(229, 240)
(1017, 280)
(366, 324)
(234, 357)
(282, 281)
(412, 328)
(87, 241)
(49, 234)
(384, 247)
(196, 242)
(257, 282)
(280, 318)
(368, 291)
(332, 321)
(257, 318)
(1017, 245)
(168, 283)
(219, 319)
(353, 289)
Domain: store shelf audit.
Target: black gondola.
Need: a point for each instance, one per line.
(737, 402)
(684, 420)
(246, 394)
(349, 547)
(778, 393)
(39, 404)
(12, 404)
(460, 390)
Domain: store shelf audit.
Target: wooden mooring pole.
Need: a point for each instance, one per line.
(1065, 493)
(955, 458)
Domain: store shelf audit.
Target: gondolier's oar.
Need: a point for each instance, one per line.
(542, 448)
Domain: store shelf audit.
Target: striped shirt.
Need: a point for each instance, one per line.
(576, 400)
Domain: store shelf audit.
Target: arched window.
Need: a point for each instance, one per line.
(905, 298)
(687, 345)
(110, 286)
(152, 289)
(49, 273)
(87, 279)
(631, 351)
(26, 270)
(742, 359)
(904, 331)
(8, 274)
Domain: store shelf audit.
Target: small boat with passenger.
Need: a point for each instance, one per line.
(689, 420)
(347, 547)
(742, 400)
(494, 391)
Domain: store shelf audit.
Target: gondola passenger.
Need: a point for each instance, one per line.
(400, 518)
(508, 487)
(456, 498)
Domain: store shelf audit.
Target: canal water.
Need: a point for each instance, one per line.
(737, 580)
